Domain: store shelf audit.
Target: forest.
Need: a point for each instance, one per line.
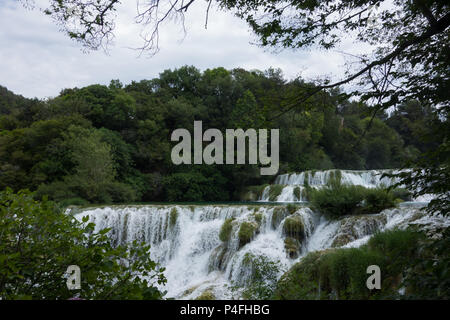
(103, 144)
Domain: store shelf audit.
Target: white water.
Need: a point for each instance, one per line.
(196, 260)
(366, 178)
(319, 179)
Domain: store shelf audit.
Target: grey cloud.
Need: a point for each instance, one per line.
(36, 60)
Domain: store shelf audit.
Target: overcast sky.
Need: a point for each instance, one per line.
(36, 60)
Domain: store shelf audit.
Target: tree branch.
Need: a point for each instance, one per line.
(436, 28)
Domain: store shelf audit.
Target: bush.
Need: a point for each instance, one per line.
(429, 276)
(225, 230)
(331, 274)
(263, 277)
(337, 200)
(258, 217)
(292, 247)
(173, 217)
(398, 246)
(38, 242)
(297, 193)
(341, 273)
(293, 227)
(377, 200)
(246, 232)
(69, 192)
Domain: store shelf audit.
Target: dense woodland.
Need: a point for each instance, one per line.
(112, 143)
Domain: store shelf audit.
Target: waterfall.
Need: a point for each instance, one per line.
(185, 239)
(318, 179)
(366, 178)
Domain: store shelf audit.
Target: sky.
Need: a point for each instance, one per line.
(37, 60)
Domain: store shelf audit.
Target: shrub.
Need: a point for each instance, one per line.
(299, 283)
(428, 278)
(341, 273)
(263, 277)
(337, 200)
(377, 200)
(293, 227)
(297, 193)
(225, 230)
(330, 274)
(173, 217)
(38, 242)
(202, 184)
(398, 246)
(246, 232)
(258, 217)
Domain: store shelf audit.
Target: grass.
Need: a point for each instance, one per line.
(173, 217)
(297, 193)
(246, 232)
(258, 217)
(225, 230)
(341, 273)
(337, 199)
(293, 227)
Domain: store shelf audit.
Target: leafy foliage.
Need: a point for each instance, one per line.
(225, 230)
(341, 273)
(338, 199)
(112, 143)
(38, 242)
(263, 277)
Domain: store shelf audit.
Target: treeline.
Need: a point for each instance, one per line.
(112, 143)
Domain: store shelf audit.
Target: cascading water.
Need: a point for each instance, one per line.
(185, 239)
(366, 178)
(294, 184)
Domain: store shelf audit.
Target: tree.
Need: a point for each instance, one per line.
(246, 114)
(38, 242)
(94, 163)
